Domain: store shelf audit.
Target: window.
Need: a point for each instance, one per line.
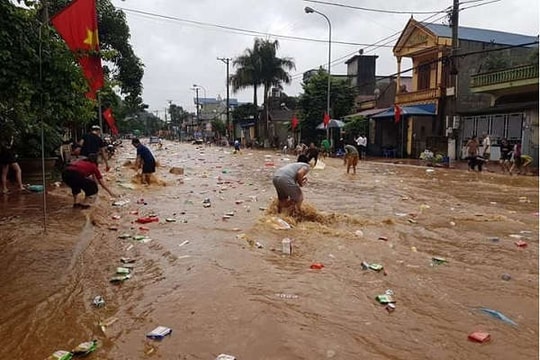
(423, 81)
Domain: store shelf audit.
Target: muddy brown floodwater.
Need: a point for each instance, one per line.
(205, 277)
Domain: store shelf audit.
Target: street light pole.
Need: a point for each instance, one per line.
(310, 10)
(228, 132)
(196, 88)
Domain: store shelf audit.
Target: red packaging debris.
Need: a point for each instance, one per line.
(146, 220)
(479, 336)
(521, 243)
(316, 266)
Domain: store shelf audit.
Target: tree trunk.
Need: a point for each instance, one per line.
(266, 115)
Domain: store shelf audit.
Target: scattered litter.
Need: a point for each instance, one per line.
(159, 333)
(316, 266)
(384, 238)
(144, 228)
(287, 296)
(400, 214)
(280, 224)
(35, 188)
(493, 239)
(286, 246)
(122, 270)
(521, 243)
(525, 232)
(113, 228)
(437, 260)
(413, 249)
(119, 278)
(61, 355)
(127, 186)
(430, 171)
(515, 236)
(359, 233)
(412, 221)
(390, 307)
(146, 220)
(376, 267)
(120, 202)
(506, 277)
(85, 348)
(385, 299)
(184, 243)
(170, 220)
(225, 357)
(107, 322)
(124, 236)
(479, 336)
(259, 245)
(116, 217)
(262, 208)
(98, 301)
(126, 260)
(497, 315)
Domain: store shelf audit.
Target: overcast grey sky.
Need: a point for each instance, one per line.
(178, 54)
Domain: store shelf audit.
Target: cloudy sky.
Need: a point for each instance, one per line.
(179, 41)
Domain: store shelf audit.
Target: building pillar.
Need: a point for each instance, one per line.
(398, 81)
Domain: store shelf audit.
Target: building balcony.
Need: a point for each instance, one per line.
(419, 97)
(521, 78)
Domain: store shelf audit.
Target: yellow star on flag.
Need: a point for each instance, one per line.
(91, 38)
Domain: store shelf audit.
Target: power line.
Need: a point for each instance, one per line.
(391, 38)
(482, 4)
(235, 29)
(374, 10)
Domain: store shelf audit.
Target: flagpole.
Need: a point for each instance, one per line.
(100, 117)
(40, 116)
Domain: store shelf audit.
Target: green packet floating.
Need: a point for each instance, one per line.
(385, 299)
(61, 355)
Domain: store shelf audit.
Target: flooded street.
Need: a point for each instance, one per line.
(223, 285)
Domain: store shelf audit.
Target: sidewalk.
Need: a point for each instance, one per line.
(491, 167)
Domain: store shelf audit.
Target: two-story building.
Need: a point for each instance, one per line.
(436, 89)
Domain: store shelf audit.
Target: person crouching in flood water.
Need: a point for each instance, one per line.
(288, 181)
(82, 175)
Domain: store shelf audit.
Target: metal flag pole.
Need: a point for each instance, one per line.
(40, 117)
(100, 117)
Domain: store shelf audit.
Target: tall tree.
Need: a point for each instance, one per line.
(274, 72)
(261, 66)
(313, 101)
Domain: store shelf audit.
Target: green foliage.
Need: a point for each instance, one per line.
(357, 125)
(244, 112)
(495, 61)
(313, 102)
(218, 126)
(177, 114)
(261, 66)
(52, 93)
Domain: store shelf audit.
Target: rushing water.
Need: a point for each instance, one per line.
(205, 277)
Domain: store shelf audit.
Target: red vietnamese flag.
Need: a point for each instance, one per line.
(397, 113)
(294, 122)
(77, 24)
(107, 114)
(326, 119)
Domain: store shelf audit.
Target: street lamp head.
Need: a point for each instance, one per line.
(308, 10)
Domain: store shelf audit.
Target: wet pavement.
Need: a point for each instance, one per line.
(218, 278)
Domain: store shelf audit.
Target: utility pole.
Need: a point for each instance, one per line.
(454, 65)
(228, 132)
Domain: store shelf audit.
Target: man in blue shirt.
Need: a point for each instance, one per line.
(145, 160)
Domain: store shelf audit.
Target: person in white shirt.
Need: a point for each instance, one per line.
(486, 151)
(361, 141)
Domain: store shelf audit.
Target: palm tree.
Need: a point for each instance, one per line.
(260, 66)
